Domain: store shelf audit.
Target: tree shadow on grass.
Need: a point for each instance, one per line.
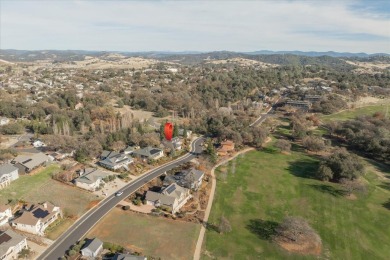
(271, 150)
(303, 168)
(264, 229)
(385, 186)
(210, 226)
(387, 204)
(328, 189)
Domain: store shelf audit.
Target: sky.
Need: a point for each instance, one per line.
(277, 25)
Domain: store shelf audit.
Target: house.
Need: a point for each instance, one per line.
(185, 133)
(225, 148)
(92, 248)
(149, 153)
(128, 257)
(11, 244)
(130, 149)
(3, 121)
(113, 160)
(38, 143)
(91, 179)
(59, 155)
(36, 218)
(5, 214)
(191, 179)
(27, 163)
(8, 173)
(175, 143)
(173, 197)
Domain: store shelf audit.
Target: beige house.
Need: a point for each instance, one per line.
(5, 214)
(173, 197)
(11, 244)
(36, 218)
(90, 179)
(8, 173)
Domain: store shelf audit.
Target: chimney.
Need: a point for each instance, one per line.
(45, 205)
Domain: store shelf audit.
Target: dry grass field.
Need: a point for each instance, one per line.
(152, 236)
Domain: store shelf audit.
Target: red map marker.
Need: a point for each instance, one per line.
(168, 130)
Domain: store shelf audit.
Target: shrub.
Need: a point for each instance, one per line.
(127, 207)
(340, 165)
(283, 145)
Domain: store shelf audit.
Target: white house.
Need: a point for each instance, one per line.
(11, 244)
(90, 179)
(36, 218)
(113, 160)
(8, 173)
(5, 214)
(92, 248)
(38, 143)
(3, 121)
(173, 197)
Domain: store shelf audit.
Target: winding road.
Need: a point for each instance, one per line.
(88, 220)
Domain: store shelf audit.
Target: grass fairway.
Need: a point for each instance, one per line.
(352, 113)
(268, 186)
(167, 239)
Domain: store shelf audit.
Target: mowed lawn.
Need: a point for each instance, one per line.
(352, 113)
(41, 187)
(153, 236)
(266, 186)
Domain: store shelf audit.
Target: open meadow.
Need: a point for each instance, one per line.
(352, 113)
(152, 236)
(266, 186)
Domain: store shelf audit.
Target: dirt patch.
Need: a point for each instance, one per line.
(92, 204)
(351, 197)
(305, 248)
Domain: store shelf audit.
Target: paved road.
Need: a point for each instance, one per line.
(86, 222)
(263, 117)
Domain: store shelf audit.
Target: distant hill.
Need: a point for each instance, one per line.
(331, 59)
(317, 54)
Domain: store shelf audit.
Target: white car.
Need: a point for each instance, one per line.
(119, 193)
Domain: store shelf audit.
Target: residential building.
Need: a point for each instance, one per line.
(130, 149)
(36, 218)
(8, 173)
(5, 214)
(225, 148)
(173, 197)
(149, 153)
(313, 98)
(185, 134)
(299, 104)
(38, 143)
(4, 121)
(92, 248)
(177, 143)
(11, 243)
(27, 163)
(190, 179)
(90, 179)
(113, 160)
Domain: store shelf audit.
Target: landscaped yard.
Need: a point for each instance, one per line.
(267, 186)
(352, 113)
(41, 187)
(153, 236)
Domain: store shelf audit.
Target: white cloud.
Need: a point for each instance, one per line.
(204, 26)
